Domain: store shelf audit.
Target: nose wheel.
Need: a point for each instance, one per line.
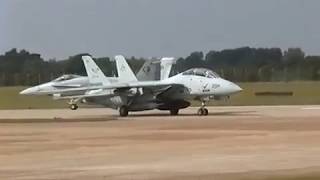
(203, 111)
(74, 107)
(73, 104)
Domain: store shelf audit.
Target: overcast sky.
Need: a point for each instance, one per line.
(154, 28)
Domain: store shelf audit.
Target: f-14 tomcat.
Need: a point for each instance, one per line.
(170, 94)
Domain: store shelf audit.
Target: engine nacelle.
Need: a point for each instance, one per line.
(178, 104)
(129, 92)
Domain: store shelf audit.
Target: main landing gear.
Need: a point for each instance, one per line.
(203, 111)
(174, 112)
(73, 107)
(123, 111)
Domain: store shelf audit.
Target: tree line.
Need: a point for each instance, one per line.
(22, 68)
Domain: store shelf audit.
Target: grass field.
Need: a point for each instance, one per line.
(303, 93)
(10, 99)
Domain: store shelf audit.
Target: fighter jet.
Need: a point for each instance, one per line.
(148, 72)
(170, 94)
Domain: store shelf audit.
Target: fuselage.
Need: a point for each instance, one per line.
(62, 83)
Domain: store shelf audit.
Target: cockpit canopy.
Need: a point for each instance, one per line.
(201, 72)
(65, 77)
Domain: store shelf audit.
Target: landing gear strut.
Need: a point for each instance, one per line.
(74, 106)
(203, 111)
(123, 111)
(174, 112)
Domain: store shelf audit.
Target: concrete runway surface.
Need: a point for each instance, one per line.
(231, 143)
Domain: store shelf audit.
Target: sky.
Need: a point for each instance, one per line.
(155, 28)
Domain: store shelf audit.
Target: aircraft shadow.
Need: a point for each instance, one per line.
(117, 117)
(213, 114)
(57, 120)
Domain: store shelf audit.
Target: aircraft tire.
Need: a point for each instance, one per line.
(74, 107)
(123, 111)
(174, 112)
(205, 112)
(200, 112)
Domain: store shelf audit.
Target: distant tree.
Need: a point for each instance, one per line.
(74, 65)
(135, 63)
(12, 52)
(244, 64)
(240, 64)
(312, 67)
(293, 56)
(107, 66)
(194, 60)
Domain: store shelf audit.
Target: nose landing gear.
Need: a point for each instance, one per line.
(74, 106)
(203, 111)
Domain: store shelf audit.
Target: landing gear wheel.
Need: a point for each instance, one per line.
(123, 111)
(203, 112)
(200, 112)
(174, 112)
(73, 107)
(206, 112)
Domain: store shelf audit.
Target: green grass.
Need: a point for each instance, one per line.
(10, 99)
(303, 93)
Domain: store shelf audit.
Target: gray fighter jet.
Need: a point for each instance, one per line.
(172, 93)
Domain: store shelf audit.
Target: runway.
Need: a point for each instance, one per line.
(215, 112)
(231, 143)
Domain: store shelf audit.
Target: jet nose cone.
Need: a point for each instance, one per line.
(238, 88)
(24, 92)
(28, 91)
(235, 88)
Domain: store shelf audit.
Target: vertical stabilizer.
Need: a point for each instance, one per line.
(125, 73)
(95, 75)
(166, 66)
(149, 71)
